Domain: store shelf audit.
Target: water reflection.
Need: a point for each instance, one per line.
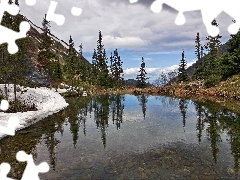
(104, 119)
(219, 121)
(117, 107)
(183, 105)
(143, 103)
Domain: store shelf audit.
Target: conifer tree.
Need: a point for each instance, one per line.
(141, 78)
(94, 69)
(100, 63)
(199, 55)
(182, 70)
(71, 62)
(116, 69)
(80, 50)
(45, 54)
(198, 47)
(212, 72)
(14, 66)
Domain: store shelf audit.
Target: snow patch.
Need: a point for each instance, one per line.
(47, 102)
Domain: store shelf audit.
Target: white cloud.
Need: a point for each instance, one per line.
(153, 73)
(123, 25)
(124, 42)
(126, 26)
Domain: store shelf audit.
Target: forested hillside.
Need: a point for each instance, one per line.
(41, 56)
(216, 62)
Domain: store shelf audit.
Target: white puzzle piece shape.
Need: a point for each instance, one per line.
(7, 35)
(209, 13)
(4, 170)
(31, 171)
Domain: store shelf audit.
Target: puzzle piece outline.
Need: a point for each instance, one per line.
(13, 121)
(31, 171)
(7, 35)
(59, 19)
(209, 9)
(4, 170)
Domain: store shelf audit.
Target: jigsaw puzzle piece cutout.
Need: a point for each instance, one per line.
(208, 13)
(59, 19)
(31, 171)
(231, 7)
(133, 1)
(4, 170)
(76, 11)
(9, 36)
(208, 17)
(181, 6)
(12, 122)
(4, 105)
(30, 2)
(10, 8)
(11, 127)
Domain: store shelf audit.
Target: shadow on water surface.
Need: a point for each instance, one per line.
(124, 137)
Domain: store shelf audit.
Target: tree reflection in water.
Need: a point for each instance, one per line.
(218, 120)
(211, 119)
(143, 103)
(183, 105)
(117, 107)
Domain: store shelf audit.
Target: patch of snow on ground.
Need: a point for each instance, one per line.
(47, 102)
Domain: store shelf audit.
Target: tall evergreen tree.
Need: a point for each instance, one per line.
(198, 46)
(14, 66)
(80, 50)
(100, 63)
(212, 71)
(199, 55)
(71, 63)
(182, 70)
(116, 69)
(141, 78)
(45, 52)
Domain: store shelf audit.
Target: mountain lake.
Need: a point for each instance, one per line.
(131, 137)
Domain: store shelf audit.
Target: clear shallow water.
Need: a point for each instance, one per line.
(132, 137)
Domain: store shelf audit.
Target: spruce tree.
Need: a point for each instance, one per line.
(94, 69)
(45, 54)
(141, 78)
(198, 47)
(116, 69)
(212, 71)
(71, 63)
(14, 66)
(80, 50)
(182, 70)
(100, 66)
(198, 73)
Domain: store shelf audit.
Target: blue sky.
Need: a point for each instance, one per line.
(131, 28)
